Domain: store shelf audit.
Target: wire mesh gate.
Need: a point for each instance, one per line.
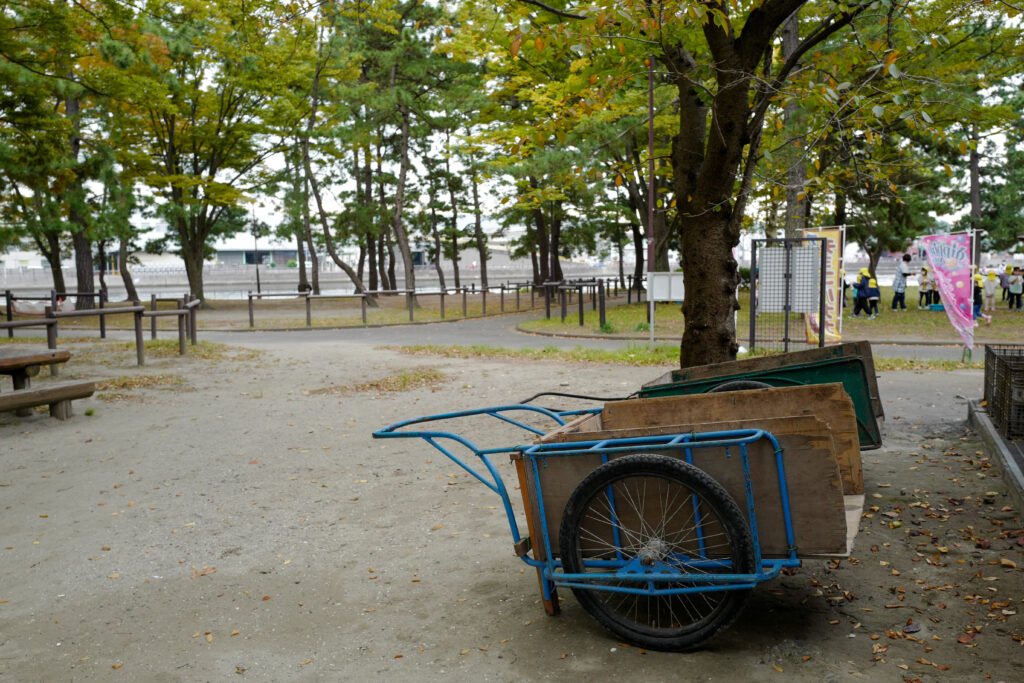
(787, 292)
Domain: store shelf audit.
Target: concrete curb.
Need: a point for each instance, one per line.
(979, 420)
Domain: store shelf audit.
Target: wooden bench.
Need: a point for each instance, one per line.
(57, 396)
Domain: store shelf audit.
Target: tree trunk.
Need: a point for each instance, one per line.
(51, 252)
(371, 258)
(192, 255)
(314, 260)
(638, 248)
(542, 244)
(620, 248)
(436, 236)
(975, 165)
(300, 253)
(710, 273)
(796, 174)
(382, 260)
(102, 253)
(555, 239)
(84, 282)
(478, 232)
(126, 276)
(314, 186)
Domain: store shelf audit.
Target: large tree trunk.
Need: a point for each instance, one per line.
(796, 174)
(84, 283)
(101, 248)
(710, 276)
(397, 225)
(371, 262)
(126, 276)
(300, 253)
(192, 255)
(314, 260)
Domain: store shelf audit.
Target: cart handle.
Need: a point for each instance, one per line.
(494, 482)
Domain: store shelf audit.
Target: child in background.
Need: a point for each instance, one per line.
(1016, 282)
(977, 300)
(860, 292)
(873, 296)
(988, 288)
(924, 291)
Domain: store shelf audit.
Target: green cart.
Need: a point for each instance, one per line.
(850, 364)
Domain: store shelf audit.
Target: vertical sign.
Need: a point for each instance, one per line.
(950, 258)
(833, 288)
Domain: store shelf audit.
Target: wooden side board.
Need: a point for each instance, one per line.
(57, 396)
(812, 475)
(828, 402)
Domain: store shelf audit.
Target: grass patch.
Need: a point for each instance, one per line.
(168, 348)
(912, 324)
(130, 382)
(659, 355)
(406, 380)
(663, 355)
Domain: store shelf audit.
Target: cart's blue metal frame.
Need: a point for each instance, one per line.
(627, 574)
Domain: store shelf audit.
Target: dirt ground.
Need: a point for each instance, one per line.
(242, 524)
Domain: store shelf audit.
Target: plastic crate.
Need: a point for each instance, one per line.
(1004, 388)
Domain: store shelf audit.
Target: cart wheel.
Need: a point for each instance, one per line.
(660, 513)
(738, 385)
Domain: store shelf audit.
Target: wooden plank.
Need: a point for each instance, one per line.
(829, 402)
(812, 476)
(57, 396)
(552, 606)
(860, 349)
(14, 357)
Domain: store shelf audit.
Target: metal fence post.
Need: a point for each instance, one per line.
(547, 301)
(600, 296)
(362, 301)
(483, 292)
(193, 333)
(502, 298)
(442, 304)
(252, 323)
(562, 293)
(309, 312)
(464, 315)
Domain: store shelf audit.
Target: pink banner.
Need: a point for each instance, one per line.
(950, 259)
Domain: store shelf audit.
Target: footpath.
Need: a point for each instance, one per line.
(226, 515)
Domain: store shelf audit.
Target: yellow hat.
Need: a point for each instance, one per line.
(991, 275)
(864, 271)
(977, 278)
(1009, 269)
(872, 283)
(924, 267)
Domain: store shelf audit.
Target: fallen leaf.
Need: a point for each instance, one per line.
(304, 662)
(118, 665)
(1007, 563)
(235, 633)
(266, 597)
(205, 571)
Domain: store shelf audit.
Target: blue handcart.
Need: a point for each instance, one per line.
(655, 549)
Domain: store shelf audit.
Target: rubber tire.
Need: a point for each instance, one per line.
(714, 496)
(738, 385)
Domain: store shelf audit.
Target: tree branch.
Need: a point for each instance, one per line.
(553, 10)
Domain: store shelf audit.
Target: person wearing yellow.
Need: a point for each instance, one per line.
(860, 289)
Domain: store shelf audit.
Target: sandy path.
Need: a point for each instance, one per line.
(338, 557)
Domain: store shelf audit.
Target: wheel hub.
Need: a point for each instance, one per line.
(654, 550)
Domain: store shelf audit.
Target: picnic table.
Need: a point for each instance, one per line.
(22, 362)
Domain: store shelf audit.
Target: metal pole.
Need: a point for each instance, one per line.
(517, 298)
(362, 301)
(562, 292)
(464, 315)
(483, 292)
(650, 179)
(442, 304)
(547, 302)
(252, 323)
(309, 311)
(600, 295)
(410, 302)
(501, 298)
(753, 291)
(821, 295)
(788, 283)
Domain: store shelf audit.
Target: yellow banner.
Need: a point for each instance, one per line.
(833, 289)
